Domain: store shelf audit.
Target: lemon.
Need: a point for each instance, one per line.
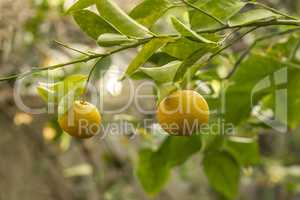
(182, 112)
(82, 120)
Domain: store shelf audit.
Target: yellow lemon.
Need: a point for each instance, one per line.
(182, 112)
(82, 120)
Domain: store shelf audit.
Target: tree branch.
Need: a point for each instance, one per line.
(143, 41)
(248, 50)
(202, 11)
(272, 10)
(82, 60)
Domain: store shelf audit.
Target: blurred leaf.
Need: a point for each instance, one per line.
(164, 90)
(79, 5)
(177, 150)
(147, 51)
(112, 39)
(47, 93)
(212, 142)
(221, 9)
(187, 32)
(162, 74)
(92, 24)
(64, 92)
(152, 171)
(252, 16)
(223, 173)
(120, 20)
(149, 11)
(154, 167)
(53, 92)
(249, 84)
(102, 65)
(245, 150)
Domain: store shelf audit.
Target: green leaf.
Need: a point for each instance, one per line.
(47, 92)
(244, 92)
(177, 150)
(79, 5)
(187, 32)
(68, 91)
(252, 16)
(101, 67)
(154, 167)
(190, 62)
(147, 51)
(120, 20)
(161, 58)
(221, 9)
(162, 74)
(152, 171)
(181, 48)
(245, 150)
(63, 92)
(164, 90)
(282, 51)
(92, 24)
(149, 11)
(112, 39)
(223, 173)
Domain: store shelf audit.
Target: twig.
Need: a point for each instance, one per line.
(248, 50)
(143, 41)
(261, 24)
(240, 60)
(82, 60)
(230, 34)
(232, 43)
(272, 10)
(202, 11)
(71, 48)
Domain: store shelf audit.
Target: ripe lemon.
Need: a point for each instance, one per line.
(182, 112)
(82, 120)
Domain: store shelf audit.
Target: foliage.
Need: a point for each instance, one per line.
(201, 35)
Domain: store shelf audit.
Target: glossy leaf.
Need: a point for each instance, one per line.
(181, 48)
(187, 32)
(221, 9)
(149, 11)
(92, 24)
(162, 74)
(111, 12)
(251, 16)
(189, 62)
(147, 51)
(223, 173)
(79, 5)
